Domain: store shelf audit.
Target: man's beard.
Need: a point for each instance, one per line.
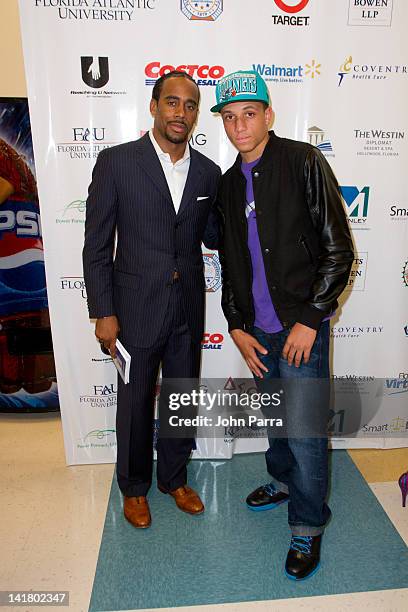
(176, 138)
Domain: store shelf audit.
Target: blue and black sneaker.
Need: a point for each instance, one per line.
(266, 497)
(303, 558)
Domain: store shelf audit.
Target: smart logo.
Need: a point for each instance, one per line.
(291, 8)
(356, 202)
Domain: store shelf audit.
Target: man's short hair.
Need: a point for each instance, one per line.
(158, 86)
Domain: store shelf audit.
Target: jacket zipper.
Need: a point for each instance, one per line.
(249, 260)
(302, 241)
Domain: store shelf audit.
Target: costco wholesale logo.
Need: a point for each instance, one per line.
(204, 75)
(356, 202)
(212, 341)
(291, 8)
(370, 12)
(201, 11)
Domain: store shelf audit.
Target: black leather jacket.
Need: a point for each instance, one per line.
(303, 231)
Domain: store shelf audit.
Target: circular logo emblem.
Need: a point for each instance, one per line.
(207, 11)
(289, 8)
(212, 272)
(405, 274)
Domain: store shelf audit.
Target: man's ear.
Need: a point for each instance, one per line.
(269, 117)
(153, 107)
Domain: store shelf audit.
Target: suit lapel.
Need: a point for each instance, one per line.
(195, 172)
(148, 160)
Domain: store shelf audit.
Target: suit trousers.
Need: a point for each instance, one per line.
(180, 358)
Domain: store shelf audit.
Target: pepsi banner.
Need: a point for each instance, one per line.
(337, 75)
(27, 370)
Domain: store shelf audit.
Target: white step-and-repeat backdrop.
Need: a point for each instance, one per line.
(337, 73)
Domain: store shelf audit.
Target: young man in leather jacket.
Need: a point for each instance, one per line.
(286, 255)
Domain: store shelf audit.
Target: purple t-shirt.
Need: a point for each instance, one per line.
(265, 313)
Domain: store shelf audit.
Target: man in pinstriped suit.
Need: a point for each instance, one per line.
(157, 193)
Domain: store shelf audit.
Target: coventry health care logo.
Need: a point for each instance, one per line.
(369, 70)
(209, 10)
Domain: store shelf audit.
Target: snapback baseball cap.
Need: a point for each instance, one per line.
(239, 86)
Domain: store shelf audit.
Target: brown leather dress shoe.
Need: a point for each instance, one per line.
(186, 499)
(136, 511)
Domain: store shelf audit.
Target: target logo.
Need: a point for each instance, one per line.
(290, 8)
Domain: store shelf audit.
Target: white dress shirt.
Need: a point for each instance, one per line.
(176, 174)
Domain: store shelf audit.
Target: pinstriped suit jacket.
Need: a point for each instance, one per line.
(129, 195)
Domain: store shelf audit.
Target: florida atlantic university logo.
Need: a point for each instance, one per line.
(95, 71)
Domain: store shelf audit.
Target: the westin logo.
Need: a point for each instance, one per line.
(95, 71)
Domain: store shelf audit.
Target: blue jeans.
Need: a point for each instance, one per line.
(299, 465)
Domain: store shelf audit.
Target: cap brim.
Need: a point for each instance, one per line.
(218, 107)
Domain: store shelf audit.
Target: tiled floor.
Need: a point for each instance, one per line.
(52, 518)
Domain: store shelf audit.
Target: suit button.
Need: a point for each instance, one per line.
(273, 287)
(256, 174)
(259, 212)
(266, 251)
